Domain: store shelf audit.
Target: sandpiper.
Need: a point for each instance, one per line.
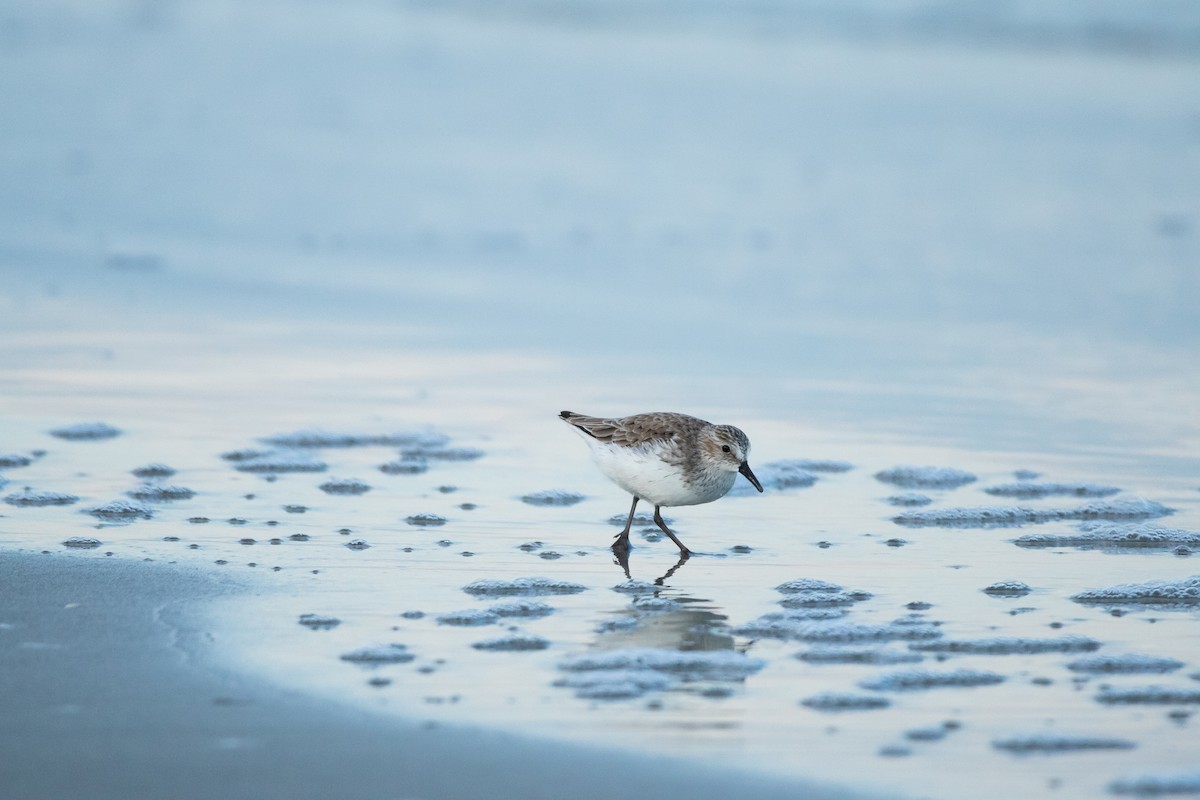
(665, 458)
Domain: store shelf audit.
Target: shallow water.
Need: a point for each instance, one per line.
(992, 668)
(924, 256)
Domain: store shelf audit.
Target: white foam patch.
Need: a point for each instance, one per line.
(278, 461)
(1060, 743)
(685, 665)
(1117, 535)
(156, 492)
(1011, 516)
(1009, 645)
(469, 618)
(1008, 589)
(1028, 490)
(1186, 783)
(552, 497)
(82, 542)
(909, 500)
(414, 466)
(512, 644)
(845, 701)
(798, 585)
(86, 431)
(155, 470)
(426, 520)
(30, 497)
(442, 453)
(775, 626)
(913, 477)
(315, 438)
(495, 587)
(1180, 592)
(1124, 664)
(525, 609)
(1148, 695)
(352, 486)
(919, 680)
(121, 510)
(842, 655)
(823, 599)
(379, 654)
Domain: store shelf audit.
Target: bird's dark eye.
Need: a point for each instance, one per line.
(725, 448)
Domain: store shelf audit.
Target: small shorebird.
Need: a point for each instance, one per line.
(666, 459)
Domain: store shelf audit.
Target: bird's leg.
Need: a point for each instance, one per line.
(658, 520)
(622, 542)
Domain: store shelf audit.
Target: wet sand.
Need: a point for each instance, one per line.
(107, 682)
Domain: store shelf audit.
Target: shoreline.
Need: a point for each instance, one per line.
(109, 681)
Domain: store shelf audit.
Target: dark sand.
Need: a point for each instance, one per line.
(108, 689)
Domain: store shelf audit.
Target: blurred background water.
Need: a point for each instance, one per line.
(882, 232)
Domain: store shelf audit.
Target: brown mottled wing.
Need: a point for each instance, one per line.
(596, 427)
(642, 428)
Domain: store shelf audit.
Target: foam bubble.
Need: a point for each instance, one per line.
(1009, 645)
(86, 432)
(121, 510)
(1148, 695)
(779, 627)
(913, 477)
(525, 609)
(529, 587)
(344, 486)
(469, 618)
(29, 497)
(314, 438)
(619, 684)
(919, 680)
(841, 655)
(845, 701)
(379, 654)
(512, 644)
(430, 453)
(823, 599)
(1027, 490)
(154, 470)
(1008, 589)
(404, 467)
(155, 492)
(685, 665)
(1117, 535)
(1011, 516)
(909, 500)
(798, 585)
(1060, 743)
(1125, 663)
(1180, 592)
(552, 497)
(280, 461)
(426, 520)
(82, 542)
(1157, 785)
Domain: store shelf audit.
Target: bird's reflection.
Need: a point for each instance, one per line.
(621, 559)
(680, 623)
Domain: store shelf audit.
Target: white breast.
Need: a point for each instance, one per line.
(642, 472)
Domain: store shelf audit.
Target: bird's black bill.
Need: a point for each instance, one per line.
(745, 470)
